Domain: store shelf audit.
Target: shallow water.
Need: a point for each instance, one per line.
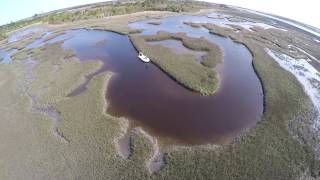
(45, 39)
(5, 56)
(149, 98)
(179, 48)
(16, 36)
(222, 20)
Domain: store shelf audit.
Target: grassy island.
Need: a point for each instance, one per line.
(199, 77)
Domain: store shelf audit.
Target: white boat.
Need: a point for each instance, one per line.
(143, 57)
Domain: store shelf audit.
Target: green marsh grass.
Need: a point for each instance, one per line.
(201, 78)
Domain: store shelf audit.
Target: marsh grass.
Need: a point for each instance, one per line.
(184, 68)
(214, 52)
(195, 25)
(135, 31)
(20, 55)
(269, 151)
(119, 8)
(36, 152)
(119, 23)
(30, 151)
(98, 11)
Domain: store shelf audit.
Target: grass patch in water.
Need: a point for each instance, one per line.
(201, 78)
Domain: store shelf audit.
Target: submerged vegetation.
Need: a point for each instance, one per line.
(184, 68)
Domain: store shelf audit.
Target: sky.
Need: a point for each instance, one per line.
(306, 11)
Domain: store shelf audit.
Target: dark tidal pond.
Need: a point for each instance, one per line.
(151, 99)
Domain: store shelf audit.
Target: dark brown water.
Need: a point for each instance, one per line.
(156, 102)
(149, 98)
